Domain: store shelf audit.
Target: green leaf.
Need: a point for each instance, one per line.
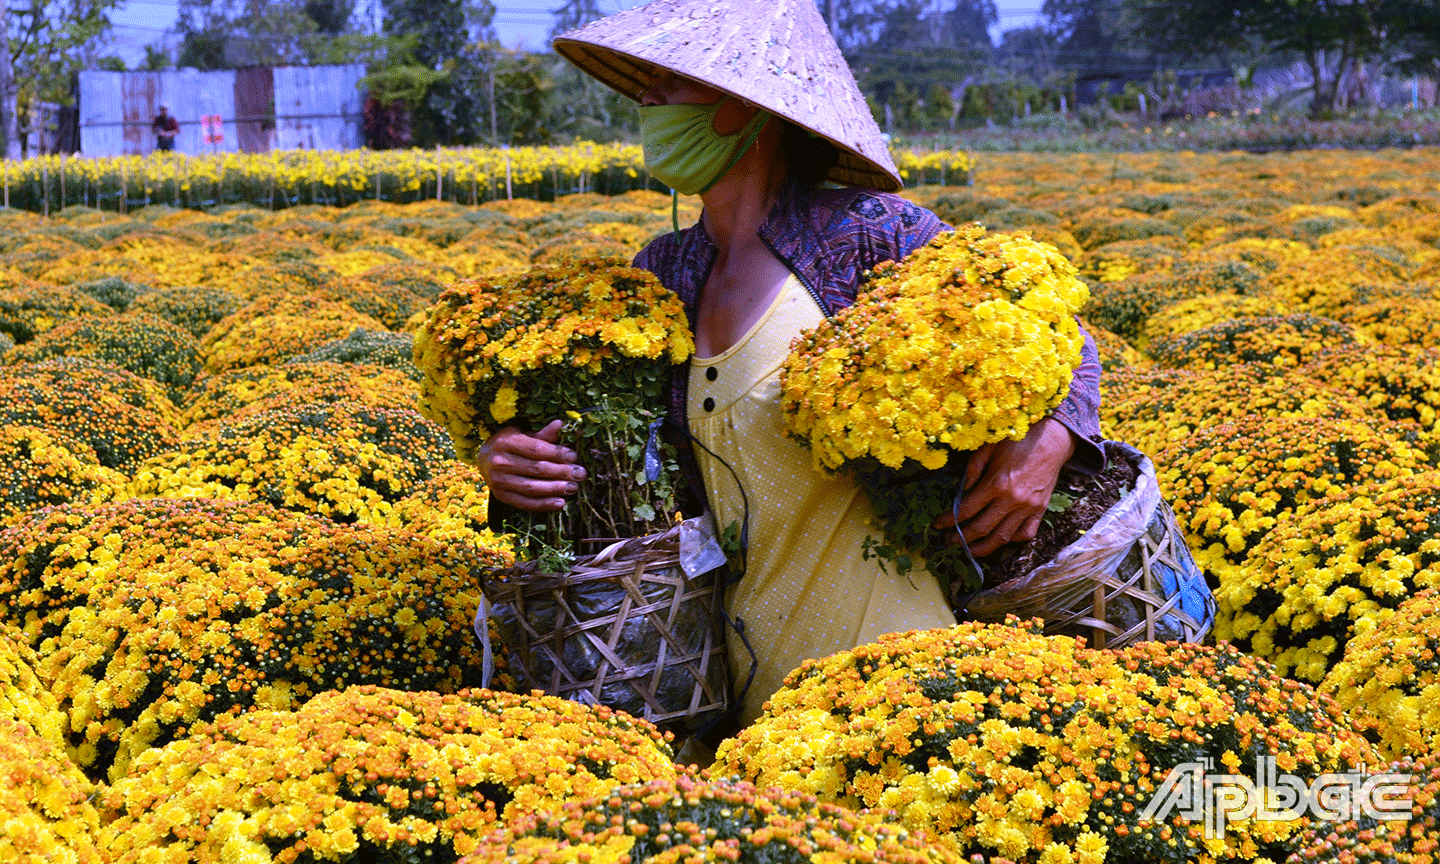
(1060, 502)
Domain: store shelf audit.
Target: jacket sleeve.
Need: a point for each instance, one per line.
(1080, 411)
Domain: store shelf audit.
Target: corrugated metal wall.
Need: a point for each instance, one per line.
(318, 107)
(314, 107)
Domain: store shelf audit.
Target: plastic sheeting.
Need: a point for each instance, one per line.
(316, 107)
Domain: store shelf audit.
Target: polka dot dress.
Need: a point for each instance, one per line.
(807, 592)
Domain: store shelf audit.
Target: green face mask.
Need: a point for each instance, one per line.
(683, 150)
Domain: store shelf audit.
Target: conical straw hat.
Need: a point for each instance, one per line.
(777, 54)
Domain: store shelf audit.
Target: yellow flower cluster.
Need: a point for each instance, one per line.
(700, 819)
(344, 460)
(1410, 839)
(1115, 352)
(1338, 567)
(153, 615)
(968, 341)
(541, 343)
(1115, 261)
(277, 327)
(39, 468)
(1402, 383)
(29, 308)
(227, 394)
(1229, 483)
(94, 405)
(371, 774)
(465, 174)
(1196, 313)
(1387, 680)
(1003, 742)
(137, 341)
(1283, 340)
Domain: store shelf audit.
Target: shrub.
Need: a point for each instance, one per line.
(1096, 228)
(1003, 742)
(39, 468)
(372, 347)
(195, 310)
(114, 292)
(45, 802)
(1265, 255)
(1402, 321)
(1229, 483)
(139, 342)
(1150, 408)
(1282, 340)
(373, 775)
(421, 278)
(344, 460)
(1407, 840)
(1115, 261)
(1187, 316)
(31, 308)
(83, 410)
(1400, 383)
(690, 819)
(224, 394)
(579, 245)
(97, 376)
(1339, 567)
(388, 303)
(1125, 306)
(453, 508)
(1387, 679)
(276, 327)
(155, 615)
(1326, 281)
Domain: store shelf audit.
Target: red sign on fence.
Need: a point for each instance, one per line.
(213, 127)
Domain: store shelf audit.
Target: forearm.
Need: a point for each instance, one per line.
(1080, 410)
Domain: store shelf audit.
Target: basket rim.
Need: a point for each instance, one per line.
(614, 560)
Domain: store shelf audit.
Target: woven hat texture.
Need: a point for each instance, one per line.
(777, 54)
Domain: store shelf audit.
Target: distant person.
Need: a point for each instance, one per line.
(166, 127)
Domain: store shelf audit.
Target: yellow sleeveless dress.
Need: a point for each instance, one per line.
(807, 591)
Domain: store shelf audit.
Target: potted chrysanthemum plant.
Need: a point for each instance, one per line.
(590, 342)
(969, 340)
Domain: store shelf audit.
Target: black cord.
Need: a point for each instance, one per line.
(964, 546)
(736, 624)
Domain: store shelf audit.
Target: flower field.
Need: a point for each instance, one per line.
(467, 175)
(239, 568)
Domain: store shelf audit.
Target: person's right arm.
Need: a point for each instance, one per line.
(529, 472)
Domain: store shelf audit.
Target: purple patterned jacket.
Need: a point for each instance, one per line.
(829, 238)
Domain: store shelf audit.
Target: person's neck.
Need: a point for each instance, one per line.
(738, 205)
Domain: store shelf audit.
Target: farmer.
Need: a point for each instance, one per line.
(166, 128)
(750, 105)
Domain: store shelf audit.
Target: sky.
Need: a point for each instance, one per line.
(518, 23)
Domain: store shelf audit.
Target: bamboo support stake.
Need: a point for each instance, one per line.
(45, 190)
(62, 181)
(7, 184)
(509, 196)
(439, 176)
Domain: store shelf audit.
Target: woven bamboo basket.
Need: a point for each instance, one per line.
(1131, 577)
(626, 628)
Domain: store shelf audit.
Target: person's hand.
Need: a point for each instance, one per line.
(531, 472)
(1008, 486)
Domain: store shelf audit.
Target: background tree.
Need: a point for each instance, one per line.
(49, 41)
